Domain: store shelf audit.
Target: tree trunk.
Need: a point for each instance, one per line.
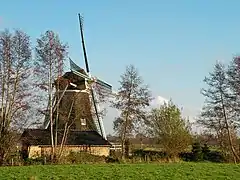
(235, 155)
(122, 144)
(124, 136)
(127, 146)
(2, 154)
(126, 124)
(51, 108)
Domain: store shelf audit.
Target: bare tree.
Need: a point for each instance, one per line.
(233, 80)
(132, 99)
(50, 56)
(214, 124)
(218, 113)
(15, 64)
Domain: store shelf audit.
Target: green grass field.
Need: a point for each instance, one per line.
(171, 171)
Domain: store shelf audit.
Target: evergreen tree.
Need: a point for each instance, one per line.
(197, 152)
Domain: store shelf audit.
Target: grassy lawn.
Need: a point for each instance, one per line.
(171, 171)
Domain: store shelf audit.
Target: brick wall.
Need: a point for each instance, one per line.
(38, 151)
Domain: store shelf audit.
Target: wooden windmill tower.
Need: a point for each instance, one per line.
(76, 98)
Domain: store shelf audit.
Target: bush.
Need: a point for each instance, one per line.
(112, 160)
(148, 155)
(82, 157)
(186, 156)
(205, 151)
(215, 156)
(13, 159)
(202, 154)
(35, 161)
(197, 154)
(115, 154)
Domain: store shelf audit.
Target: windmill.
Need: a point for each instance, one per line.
(78, 87)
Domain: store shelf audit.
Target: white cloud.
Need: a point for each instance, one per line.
(186, 112)
(157, 101)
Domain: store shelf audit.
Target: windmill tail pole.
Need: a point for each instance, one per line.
(83, 44)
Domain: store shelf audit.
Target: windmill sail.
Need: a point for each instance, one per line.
(86, 77)
(98, 82)
(104, 86)
(74, 66)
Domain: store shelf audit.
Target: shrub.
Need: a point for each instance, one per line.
(202, 153)
(205, 151)
(82, 157)
(112, 160)
(215, 156)
(148, 155)
(34, 161)
(115, 154)
(186, 156)
(13, 159)
(197, 152)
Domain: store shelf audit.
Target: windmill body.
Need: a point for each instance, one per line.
(75, 101)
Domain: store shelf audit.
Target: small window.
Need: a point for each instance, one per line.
(83, 122)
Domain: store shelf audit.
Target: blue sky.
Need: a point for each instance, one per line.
(173, 43)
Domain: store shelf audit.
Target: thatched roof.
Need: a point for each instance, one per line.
(42, 137)
(70, 77)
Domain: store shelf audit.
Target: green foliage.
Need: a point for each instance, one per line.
(202, 153)
(34, 161)
(14, 159)
(205, 151)
(72, 158)
(112, 159)
(150, 155)
(166, 124)
(171, 171)
(197, 153)
(82, 157)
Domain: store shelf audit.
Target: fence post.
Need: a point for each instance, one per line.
(45, 160)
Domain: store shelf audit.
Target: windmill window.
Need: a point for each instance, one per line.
(83, 122)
